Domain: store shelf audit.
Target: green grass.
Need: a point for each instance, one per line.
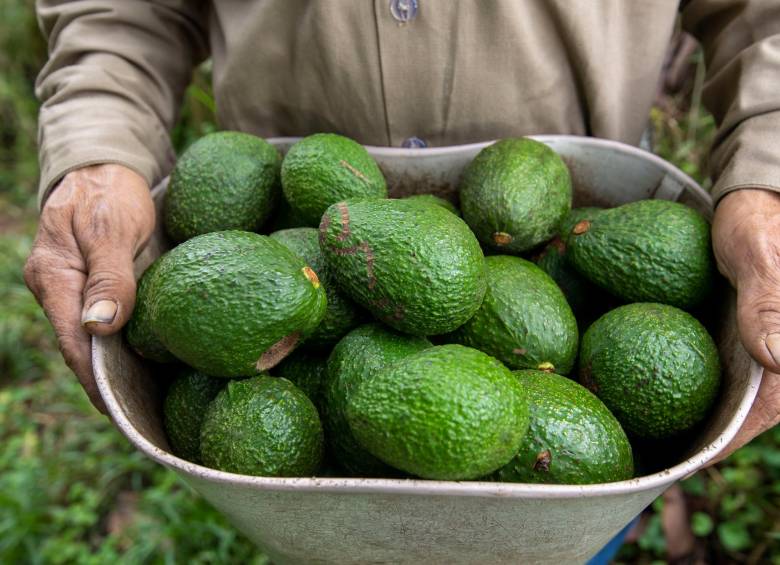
(73, 490)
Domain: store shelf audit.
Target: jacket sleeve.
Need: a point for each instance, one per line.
(112, 86)
(741, 41)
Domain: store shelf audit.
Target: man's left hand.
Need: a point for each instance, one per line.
(746, 240)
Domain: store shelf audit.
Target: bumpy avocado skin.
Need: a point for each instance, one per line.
(224, 181)
(306, 370)
(263, 426)
(449, 412)
(138, 331)
(435, 200)
(222, 299)
(356, 358)
(325, 168)
(524, 320)
(646, 251)
(514, 194)
(342, 314)
(417, 268)
(654, 366)
(184, 408)
(572, 437)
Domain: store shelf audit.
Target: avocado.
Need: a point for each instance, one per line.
(262, 426)
(572, 437)
(646, 251)
(356, 358)
(325, 168)
(435, 200)
(514, 194)
(184, 408)
(138, 331)
(224, 181)
(524, 320)
(654, 366)
(234, 303)
(341, 314)
(417, 268)
(587, 300)
(306, 370)
(448, 412)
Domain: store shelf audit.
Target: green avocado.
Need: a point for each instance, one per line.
(262, 426)
(306, 370)
(234, 303)
(325, 168)
(184, 408)
(356, 358)
(572, 438)
(417, 268)
(224, 181)
(524, 320)
(646, 251)
(654, 366)
(138, 331)
(448, 412)
(514, 194)
(341, 314)
(435, 200)
(587, 300)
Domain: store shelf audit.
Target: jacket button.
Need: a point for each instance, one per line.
(404, 10)
(413, 143)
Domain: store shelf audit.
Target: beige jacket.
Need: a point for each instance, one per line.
(385, 71)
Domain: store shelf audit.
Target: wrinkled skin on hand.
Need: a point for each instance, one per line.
(746, 240)
(80, 268)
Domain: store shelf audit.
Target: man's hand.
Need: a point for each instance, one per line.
(746, 239)
(80, 268)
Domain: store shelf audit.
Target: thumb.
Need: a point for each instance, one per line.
(758, 315)
(109, 292)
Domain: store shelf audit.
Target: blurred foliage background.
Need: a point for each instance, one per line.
(73, 490)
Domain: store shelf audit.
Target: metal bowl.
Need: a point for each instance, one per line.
(348, 520)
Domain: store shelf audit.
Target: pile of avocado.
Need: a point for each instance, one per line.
(312, 325)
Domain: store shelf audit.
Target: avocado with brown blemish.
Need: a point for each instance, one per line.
(234, 303)
(418, 268)
(646, 251)
(325, 168)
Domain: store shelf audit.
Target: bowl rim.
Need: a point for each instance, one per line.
(423, 487)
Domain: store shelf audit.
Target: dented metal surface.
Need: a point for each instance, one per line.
(343, 520)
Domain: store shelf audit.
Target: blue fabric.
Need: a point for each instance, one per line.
(609, 551)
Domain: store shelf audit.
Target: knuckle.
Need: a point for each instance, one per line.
(103, 280)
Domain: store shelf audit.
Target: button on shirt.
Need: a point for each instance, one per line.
(386, 71)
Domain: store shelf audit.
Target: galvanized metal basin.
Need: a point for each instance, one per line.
(344, 520)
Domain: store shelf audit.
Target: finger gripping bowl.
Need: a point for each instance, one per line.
(342, 521)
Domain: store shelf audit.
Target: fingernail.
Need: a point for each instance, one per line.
(101, 312)
(772, 343)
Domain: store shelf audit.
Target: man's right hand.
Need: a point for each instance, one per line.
(80, 268)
